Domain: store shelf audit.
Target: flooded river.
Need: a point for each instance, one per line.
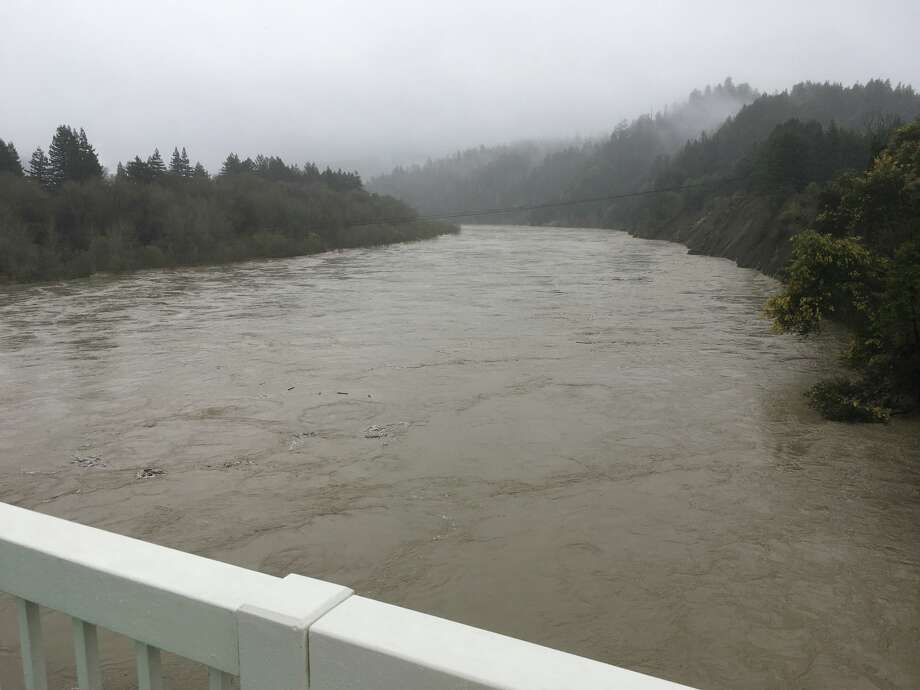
(575, 437)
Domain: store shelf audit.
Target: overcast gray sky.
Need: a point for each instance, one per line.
(369, 82)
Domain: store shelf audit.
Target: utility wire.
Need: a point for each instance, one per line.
(573, 202)
(535, 207)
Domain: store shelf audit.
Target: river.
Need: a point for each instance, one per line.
(572, 436)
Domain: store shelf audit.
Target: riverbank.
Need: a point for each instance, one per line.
(120, 224)
(749, 229)
(263, 245)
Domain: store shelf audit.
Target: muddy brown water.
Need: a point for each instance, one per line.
(571, 436)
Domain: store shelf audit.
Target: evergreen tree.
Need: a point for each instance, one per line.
(63, 154)
(175, 163)
(120, 172)
(341, 180)
(311, 171)
(139, 170)
(9, 159)
(185, 166)
(178, 164)
(88, 165)
(71, 157)
(232, 165)
(156, 164)
(40, 168)
(200, 171)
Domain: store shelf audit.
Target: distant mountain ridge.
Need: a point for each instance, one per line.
(749, 159)
(767, 169)
(535, 172)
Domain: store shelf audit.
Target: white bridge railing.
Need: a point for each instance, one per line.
(289, 633)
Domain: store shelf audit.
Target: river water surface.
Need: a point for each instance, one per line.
(571, 436)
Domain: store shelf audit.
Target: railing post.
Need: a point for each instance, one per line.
(217, 679)
(149, 674)
(31, 645)
(273, 642)
(273, 651)
(86, 653)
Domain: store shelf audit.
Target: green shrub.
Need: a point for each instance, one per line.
(843, 400)
(861, 268)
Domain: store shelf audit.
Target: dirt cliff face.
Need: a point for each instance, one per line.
(754, 231)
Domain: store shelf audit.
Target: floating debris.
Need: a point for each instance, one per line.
(149, 472)
(87, 461)
(385, 430)
(229, 464)
(298, 439)
(237, 462)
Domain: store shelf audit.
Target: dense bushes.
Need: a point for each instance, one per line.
(844, 400)
(149, 215)
(861, 266)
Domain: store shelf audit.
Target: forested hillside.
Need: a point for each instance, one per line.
(478, 178)
(756, 181)
(753, 166)
(61, 216)
(534, 173)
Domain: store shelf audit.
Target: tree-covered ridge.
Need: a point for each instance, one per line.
(476, 178)
(755, 182)
(728, 151)
(532, 173)
(720, 133)
(860, 265)
(806, 134)
(63, 217)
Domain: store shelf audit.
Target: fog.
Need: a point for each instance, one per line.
(368, 84)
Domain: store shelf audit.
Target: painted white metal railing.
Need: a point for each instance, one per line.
(289, 633)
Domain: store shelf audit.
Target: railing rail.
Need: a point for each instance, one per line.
(289, 633)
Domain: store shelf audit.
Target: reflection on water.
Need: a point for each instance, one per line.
(571, 436)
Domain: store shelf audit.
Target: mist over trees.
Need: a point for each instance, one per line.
(718, 134)
(730, 150)
(755, 182)
(63, 217)
(530, 173)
